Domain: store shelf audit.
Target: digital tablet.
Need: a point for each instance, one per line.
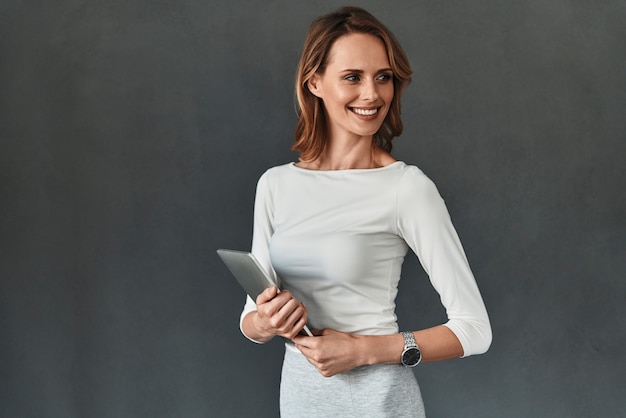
(249, 273)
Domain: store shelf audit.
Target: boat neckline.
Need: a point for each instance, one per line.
(346, 170)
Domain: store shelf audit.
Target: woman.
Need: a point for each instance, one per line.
(335, 227)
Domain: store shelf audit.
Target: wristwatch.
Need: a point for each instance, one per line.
(411, 356)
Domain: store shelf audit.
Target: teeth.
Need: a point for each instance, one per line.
(365, 112)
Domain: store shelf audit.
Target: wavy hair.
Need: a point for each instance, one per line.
(312, 127)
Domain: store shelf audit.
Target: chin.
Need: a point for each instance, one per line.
(367, 132)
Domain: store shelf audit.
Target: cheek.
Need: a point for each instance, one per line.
(387, 93)
(341, 97)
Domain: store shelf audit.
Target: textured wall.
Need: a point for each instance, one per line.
(132, 134)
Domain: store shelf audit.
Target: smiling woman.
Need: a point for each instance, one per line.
(334, 228)
(319, 44)
(356, 88)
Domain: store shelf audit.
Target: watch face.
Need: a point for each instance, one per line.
(411, 357)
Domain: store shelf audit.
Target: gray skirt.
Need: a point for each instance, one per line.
(384, 390)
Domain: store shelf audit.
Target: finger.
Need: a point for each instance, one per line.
(300, 326)
(279, 319)
(288, 308)
(281, 299)
(306, 352)
(298, 320)
(267, 313)
(269, 304)
(305, 315)
(303, 341)
(302, 323)
(267, 295)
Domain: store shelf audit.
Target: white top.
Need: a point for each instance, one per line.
(337, 240)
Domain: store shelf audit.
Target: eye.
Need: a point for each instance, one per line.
(351, 77)
(385, 77)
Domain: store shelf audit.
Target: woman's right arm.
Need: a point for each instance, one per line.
(273, 313)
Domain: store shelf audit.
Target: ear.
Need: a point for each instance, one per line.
(314, 85)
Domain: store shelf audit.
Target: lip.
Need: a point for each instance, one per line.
(368, 113)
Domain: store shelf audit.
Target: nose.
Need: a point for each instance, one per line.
(369, 91)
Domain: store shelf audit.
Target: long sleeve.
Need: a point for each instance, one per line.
(262, 232)
(424, 223)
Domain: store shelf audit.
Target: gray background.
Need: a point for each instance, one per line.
(132, 134)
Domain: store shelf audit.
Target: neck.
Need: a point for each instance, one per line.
(344, 155)
(342, 158)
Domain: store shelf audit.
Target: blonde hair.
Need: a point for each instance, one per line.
(312, 129)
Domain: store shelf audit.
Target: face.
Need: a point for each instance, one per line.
(356, 86)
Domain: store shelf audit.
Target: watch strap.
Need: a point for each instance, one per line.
(409, 340)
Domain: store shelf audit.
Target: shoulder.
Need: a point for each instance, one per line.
(276, 172)
(413, 180)
(272, 177)
(417, 193)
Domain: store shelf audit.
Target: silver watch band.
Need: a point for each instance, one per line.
(409, 339)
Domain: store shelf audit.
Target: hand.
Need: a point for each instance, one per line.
(279, 314)
(331, 352)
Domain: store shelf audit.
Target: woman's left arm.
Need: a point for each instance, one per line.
(424, 223)
(333, 352)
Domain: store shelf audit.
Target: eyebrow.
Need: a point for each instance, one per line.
(382, 70)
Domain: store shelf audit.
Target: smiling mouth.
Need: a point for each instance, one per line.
(364, 112)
